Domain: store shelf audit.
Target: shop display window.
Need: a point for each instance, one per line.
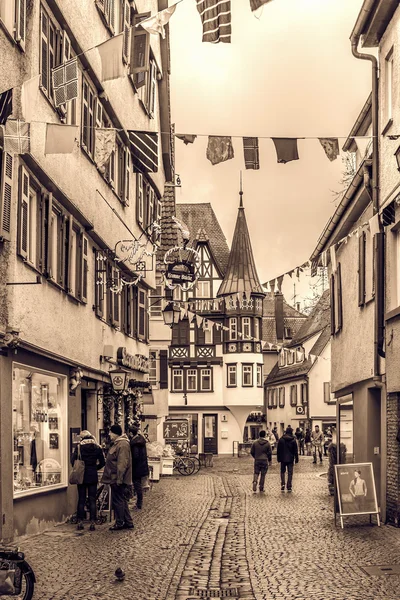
(39, 426)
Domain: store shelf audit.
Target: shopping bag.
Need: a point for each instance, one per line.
(78, 470)
(7, 581)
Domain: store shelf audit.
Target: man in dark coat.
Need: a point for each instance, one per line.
(262, 453)
(287, 454)
(140, 467)
(93, 457)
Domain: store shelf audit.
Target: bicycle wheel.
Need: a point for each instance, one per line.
(24, 581)
(186, 466)
(196, 464)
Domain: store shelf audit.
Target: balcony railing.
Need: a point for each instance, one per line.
(179, 351)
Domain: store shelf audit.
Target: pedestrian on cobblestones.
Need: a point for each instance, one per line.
(93, 457)
(300, 440)
(118, 473)
(140, 467)
(317, 439)
(287, 454)
(262, 453)
(307, 441)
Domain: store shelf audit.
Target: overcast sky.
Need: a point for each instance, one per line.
(289, 73)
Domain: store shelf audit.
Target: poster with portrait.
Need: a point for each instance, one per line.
(356, 489)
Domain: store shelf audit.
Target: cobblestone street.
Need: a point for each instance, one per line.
(209, 536)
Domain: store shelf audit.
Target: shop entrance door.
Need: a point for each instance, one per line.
(210, 443)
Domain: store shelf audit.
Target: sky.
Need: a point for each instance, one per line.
(288, 73)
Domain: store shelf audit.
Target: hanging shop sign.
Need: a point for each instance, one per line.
(176, 430)
(181, 267)
(136, 253)
(138, 362)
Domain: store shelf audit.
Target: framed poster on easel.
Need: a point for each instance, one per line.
(355, 491)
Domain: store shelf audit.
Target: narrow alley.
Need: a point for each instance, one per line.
(209, 536)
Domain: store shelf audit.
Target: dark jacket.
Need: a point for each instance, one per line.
(140, 468)
(287, 451)
(261, 450)
(93, 457)
(307, 437)
(118, 467)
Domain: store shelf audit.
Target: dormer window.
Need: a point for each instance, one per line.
(288, 332)
(299, 355)
(282, 358)
(290, 357)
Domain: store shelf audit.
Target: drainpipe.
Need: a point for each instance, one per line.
(379, 240)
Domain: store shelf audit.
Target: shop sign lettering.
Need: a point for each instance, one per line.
(138, 362)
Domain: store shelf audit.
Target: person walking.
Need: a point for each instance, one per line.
(287, 454)
(93, 457)
(262, 453)
(118, 473)
(300, 440)
(307, 441)
(140, 467)
(317, 439)
(275, 432)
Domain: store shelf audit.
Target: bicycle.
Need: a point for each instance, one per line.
(17, 578)
(183, 452)
(184, 465)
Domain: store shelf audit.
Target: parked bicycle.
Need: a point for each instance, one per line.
(184, 465)
(17, 578)
(183, 451)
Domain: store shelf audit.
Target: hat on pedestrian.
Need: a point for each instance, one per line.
(116, 429)
(133, 429)
(289, 430)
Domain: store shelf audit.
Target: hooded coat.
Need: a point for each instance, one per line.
(118, 467)
(287, 451)
(93, 457)
(140, 468)
(261, 450)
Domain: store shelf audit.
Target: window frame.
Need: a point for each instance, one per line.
(293, 395)
(281, 392)
(175, 373)
(201, 378)
(155, 359)
(259, 375)
(231, 368)
(90, 104)
(250, 367)
(246, 324)
(196, 380)
(233, 329)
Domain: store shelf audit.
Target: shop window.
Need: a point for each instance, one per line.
(293, 395)
(177, 380)
(233, 328)
(205, 380)
(232, 376)
(259, 376)
(247, 375)
(39, 430)
(191, 380)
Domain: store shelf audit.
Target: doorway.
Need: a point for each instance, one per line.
(210, 441)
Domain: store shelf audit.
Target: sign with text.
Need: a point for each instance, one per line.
(176, 430)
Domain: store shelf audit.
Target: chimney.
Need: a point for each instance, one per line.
(279, 315)
(298, 306)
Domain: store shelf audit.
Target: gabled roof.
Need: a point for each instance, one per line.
(241, 273)
(318, 319)
(203, 226)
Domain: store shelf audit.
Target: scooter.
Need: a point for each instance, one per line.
(17, 578)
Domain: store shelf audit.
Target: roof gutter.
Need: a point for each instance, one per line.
(362, 19)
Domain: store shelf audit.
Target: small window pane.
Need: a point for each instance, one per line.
(206, 380)
(192, 380)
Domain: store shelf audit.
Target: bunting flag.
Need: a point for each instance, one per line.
(219, 149)
(65, 82)
(187, 138)
(216, 18)
(251, 155)
(286, 149)
(17, 137)
(6, 106)
(144, 148)
(60, 139)
(105, 144)
(29, 98)
(111, 57)
(156, 23)
(279, 282)
(199, 321)
(254, 4)
(331, 147)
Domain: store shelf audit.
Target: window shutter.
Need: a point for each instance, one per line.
(99, 285)
(200, 335)
(85, 115)
(111, 14)
(163, 369)
(361, 268)
(84, 267)
(126, 30)
(20, 22)
(127, 176)
(68, 281)
(339, 298)
(140, 51)
(327, 392)
(63, 251)
(47, 236)
(139, 198)
(41, 226)
(44, 51)
(332, 291)
(217, 335)
(141, 331)
(152, 89)
(6, 195)
(150, 207)
(23, 212)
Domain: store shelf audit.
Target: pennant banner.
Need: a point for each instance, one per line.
(219, 149)
(105, 143)
(17, 137)
(156, 23)
(251, 154)
(255, 4)
(286, 149)
(65, 82)
(144, 148)
(216, 18)
(6, 106)
(111, 58)
(186, 138)
(60, 139)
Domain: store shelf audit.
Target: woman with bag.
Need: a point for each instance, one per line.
(90, 453)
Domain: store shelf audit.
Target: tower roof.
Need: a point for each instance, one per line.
(241, 273)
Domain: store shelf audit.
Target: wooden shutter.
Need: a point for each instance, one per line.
(152, 88)
(150, 206)
(200, 335)
(339, 323)
(361, 268)
(126, 21)
(111, 14)
(141, 330)
(127, 176)
(304, 393)
(217, 335)
(44, 50)
(99, 285)
(139, 198)
(20, 22)
(6, 195)
(85, 115)
(47, 236)
(332, 293)
(163, 369)
(23, 219)
(63, 250)
(41, 235)
(83, 288)
(109, 278)
(140, 51)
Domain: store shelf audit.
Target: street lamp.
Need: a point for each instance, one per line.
(118, 379)
(171, 314)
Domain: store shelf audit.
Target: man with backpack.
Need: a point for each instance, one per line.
(262, 453)
(287, 454)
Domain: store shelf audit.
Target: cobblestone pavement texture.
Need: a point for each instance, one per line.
(209, 535)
